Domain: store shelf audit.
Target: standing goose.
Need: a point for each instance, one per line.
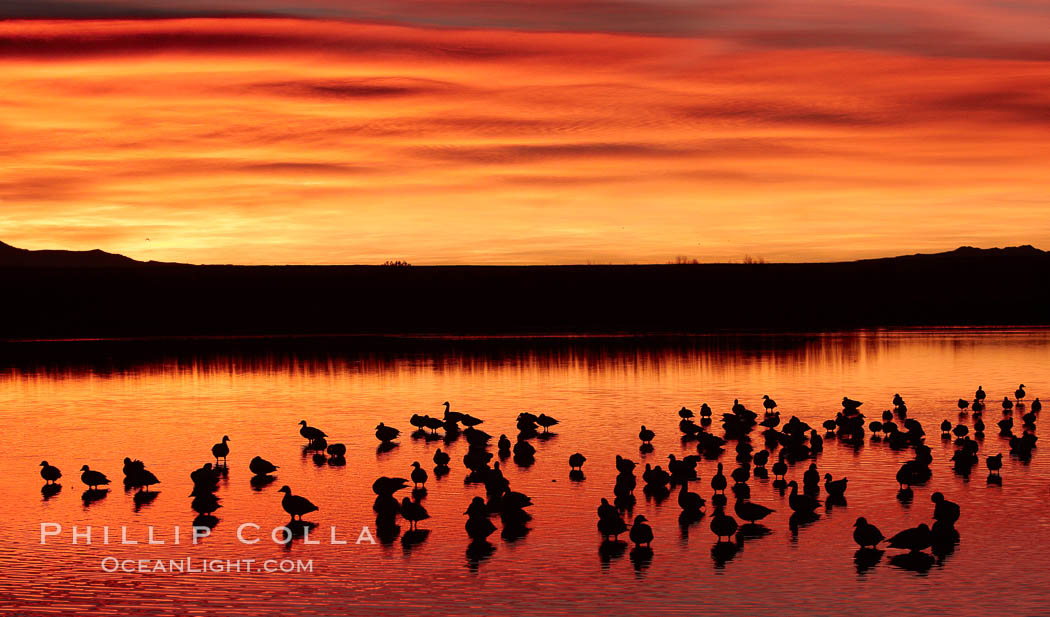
(718, 481)
(441, 459)
(294, 504)
(1037, 405)
(963, 404)
(310, 433)
(93, 479)
(413, 512)
(1007, 404)
(780, 467)
(419, 476)
(220, 450)
(386, 434)
(545, 421)
(576, 461)
(865, 534)
(49, 473)
(689, 501)
(803, 504)
(1019, 393)
(979, 395)
(723, 525)
(641, 532)
(994, 463)
(768, 403)
(261, 467)
(646, 436)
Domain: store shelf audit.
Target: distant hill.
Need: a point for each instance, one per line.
(12, 256)
(964, 287)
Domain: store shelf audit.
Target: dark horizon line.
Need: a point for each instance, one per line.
(119, 260)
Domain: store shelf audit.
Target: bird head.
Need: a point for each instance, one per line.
(127, 459)
(302, 422)
(860, 521)
(827, 477)
(640, 519)
(43, 463)
(285, 489)
(415, 464)
(85, 468)
(924, 527)
(225, 439)
(937, 497)
(446, 405)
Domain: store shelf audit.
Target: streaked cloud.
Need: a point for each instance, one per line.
(311, 141)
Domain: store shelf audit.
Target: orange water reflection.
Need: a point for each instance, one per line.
(166, 403)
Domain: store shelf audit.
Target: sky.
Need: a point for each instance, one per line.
(513, 132)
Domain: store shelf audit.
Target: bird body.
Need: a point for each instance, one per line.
(296, 505)
(220, 450)
(576, 461)
(914, 539)
(419, 475)
(723, 525)
(641, 532)
(261, 467)
(646, 435)
(751, 512)
(386, 434)
(835, 488)
(310, 433)
(865, 534)
(768, 403)
(413, 512)
(803, 504)
(994, 463)
(93, 479)
(49, 473)
(690, 501)
(441, 459)
(1019, 393)
(718, 481)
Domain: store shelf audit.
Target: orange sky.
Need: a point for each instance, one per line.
(268, 140)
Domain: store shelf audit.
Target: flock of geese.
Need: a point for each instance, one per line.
(793, 441)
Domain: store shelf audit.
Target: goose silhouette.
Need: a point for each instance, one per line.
(780, 467)
(1007, 404)
(611, 526)
(1019, 393)
(865, 534)
(994, 463)
(963, 404)
(946, 512)
(441, 459)
(49, 473)
(295, 505)
(1037, 405)
(545, 421)
(751, 512)
(419, 476)
(718, 481)
(641, 532)
(898, 400)
(93, 479)
(310, 433)
(768, 403)
(979, 395)
(685, 413)
(576, 461)
(145, 479)
(413, 512)
(705, 410)
(802, 504)
(386, 434)
(835, 488)
(220, 450)
(723, 525)
(646, 436)
(914, 539)
(690, 501)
